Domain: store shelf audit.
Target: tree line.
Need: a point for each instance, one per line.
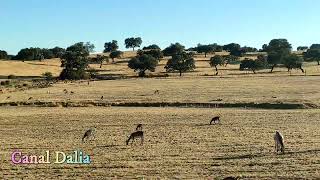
(75, 59)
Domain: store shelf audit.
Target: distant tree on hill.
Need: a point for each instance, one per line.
(229, 59)
(293, 61)
(277, 50)
(133, 42)
(312, 55)
(29, 54)
(205, 49)
(253, 65)
(246, 49)
(234, 49)
(110, 46)
(101, 59)
(173, 49)
(156, 53)
(75, 61)
(58, 52)
(3, 54)
(115, 54)
(315, 46)
(215, 61)
(181, 62)
(142, 64)
(47, 54)
(302, 48)
(153, 46)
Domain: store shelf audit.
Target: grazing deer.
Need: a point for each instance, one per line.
(65, 91)
(8, 97)
(156, 92)
(71, 92)
(137, 134)
(90, 132)
(278, 140)
(139, 127)
(30, 98)
(215, 119)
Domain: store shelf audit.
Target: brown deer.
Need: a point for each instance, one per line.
(139, 127)
(137, 134)
(89, 133)
(215, 119)
(156, 92)
(278, 140)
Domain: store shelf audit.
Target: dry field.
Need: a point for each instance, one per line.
(179, 142)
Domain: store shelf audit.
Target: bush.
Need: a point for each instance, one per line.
(11, 76)
(48, 76)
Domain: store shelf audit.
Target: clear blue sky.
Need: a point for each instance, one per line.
(49, 23)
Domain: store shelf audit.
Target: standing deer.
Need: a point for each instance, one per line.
(139, 127)
(215, 119)
(278, 140)
(137, 134)
(89, 133)
(156, 92)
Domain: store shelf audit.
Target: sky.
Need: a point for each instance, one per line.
(50, 23)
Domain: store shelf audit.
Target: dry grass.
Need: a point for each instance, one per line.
(179, 143)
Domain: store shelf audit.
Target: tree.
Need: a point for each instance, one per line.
(29, 54)
(253, 65)
(293, 61)
(277, 50)
(153, 46)
(142, 64)
(75, 61)
(110, 46)
(58, 52)
(173, 49)
(234, 49)
(205, 49)
(246, 49)
(181, 62)
(312, 55)
(47, 54)
(215, 61)
(229, 59)
(156, 53)
(302, 48)
(3, 55)
(115, 54)
(315, 46)
(133, 42)
(89, 47)
(101, 59)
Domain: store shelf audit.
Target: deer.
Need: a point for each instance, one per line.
(101, 98)
(30, 98)
(71, 92)
(139, 127)
(65, 91)
(137, 134)
(278, 140)
(156, 92)
(89, 133)
(215, 119)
